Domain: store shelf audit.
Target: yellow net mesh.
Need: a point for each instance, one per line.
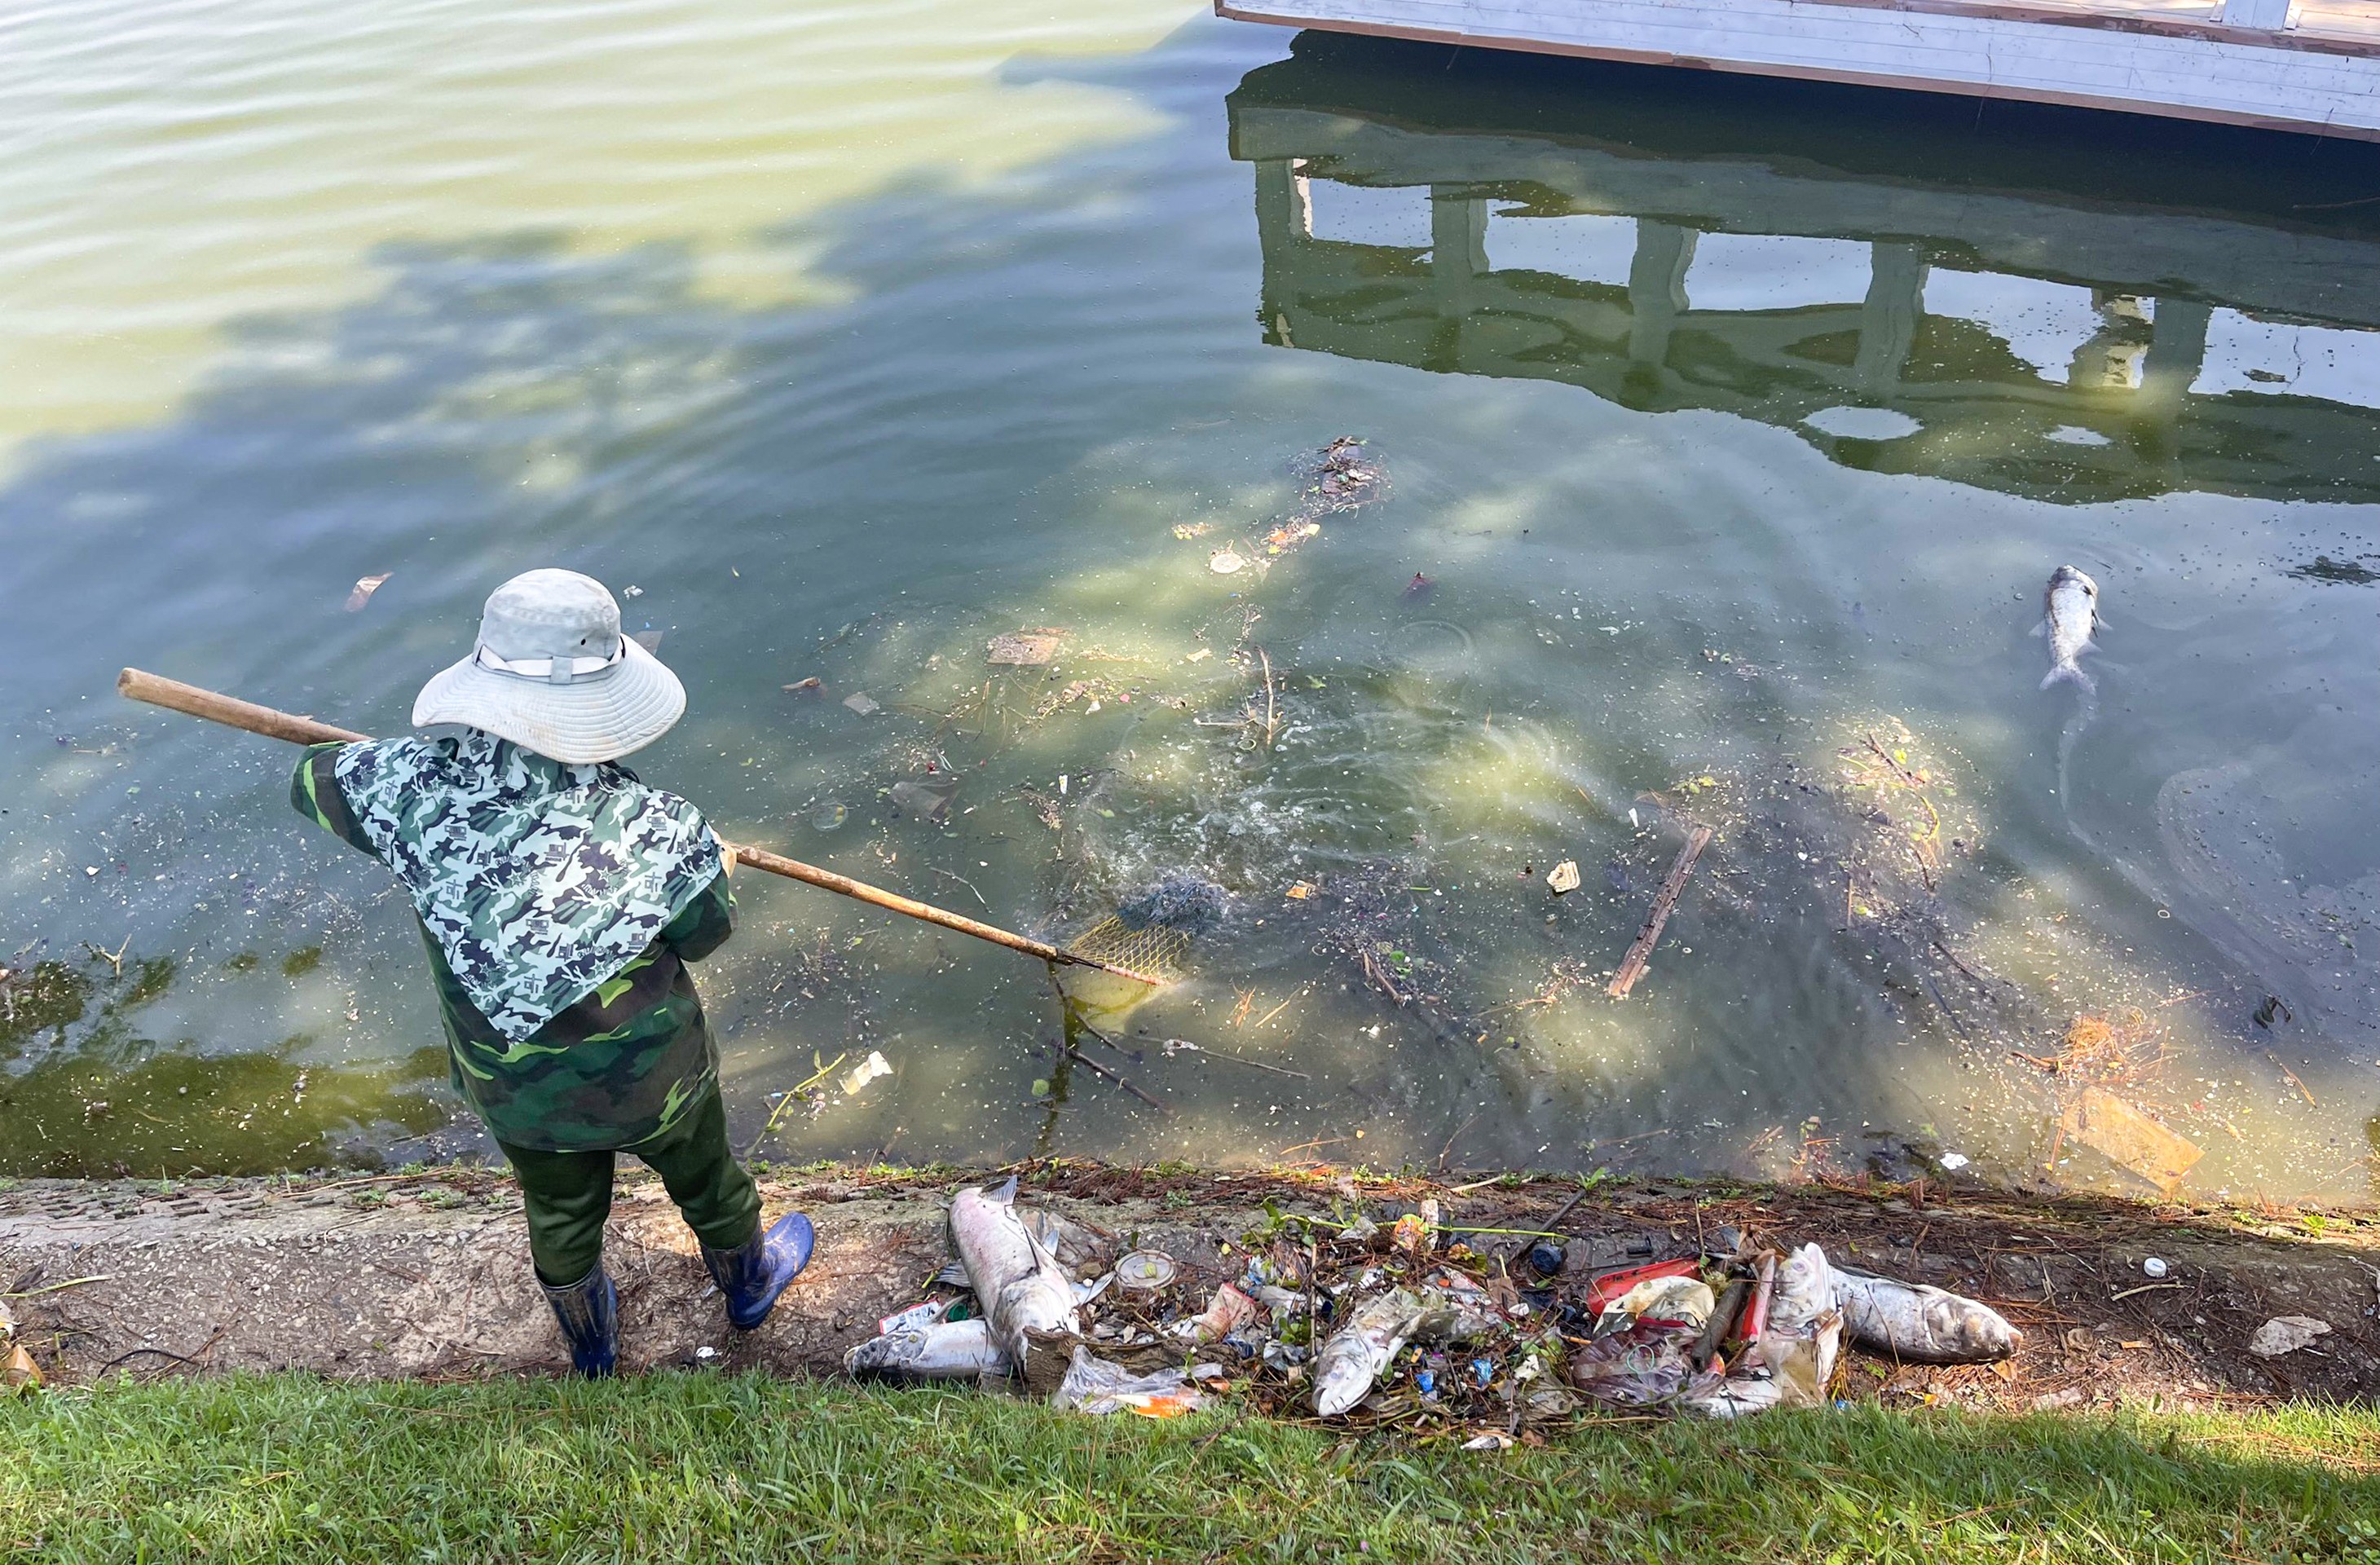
(1154, 950)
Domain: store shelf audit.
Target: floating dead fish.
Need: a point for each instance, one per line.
(1918, 1323)
(2071, 612)
(957, 1350)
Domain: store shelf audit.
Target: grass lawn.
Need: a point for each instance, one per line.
(696, 1468)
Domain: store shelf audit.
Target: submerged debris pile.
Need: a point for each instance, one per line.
(1396, 1318)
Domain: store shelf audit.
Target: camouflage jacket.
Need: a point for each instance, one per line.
(618, 1065)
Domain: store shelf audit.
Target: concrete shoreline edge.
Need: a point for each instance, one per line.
(424, 1274)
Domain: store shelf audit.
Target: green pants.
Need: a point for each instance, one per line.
(568, 1194)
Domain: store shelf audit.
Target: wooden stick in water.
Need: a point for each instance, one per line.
(1640, 953)
(215, 708)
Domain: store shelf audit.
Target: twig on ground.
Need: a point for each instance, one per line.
(54, 1287)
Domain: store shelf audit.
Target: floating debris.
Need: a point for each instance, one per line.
(1180, 901)
(361, 593)
(860, 702)
(928, 797)
(2112, 1127)
(1025, 648)
(1226, 562)
(867, 1070)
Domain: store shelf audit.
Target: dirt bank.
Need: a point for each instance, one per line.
(427, 1275)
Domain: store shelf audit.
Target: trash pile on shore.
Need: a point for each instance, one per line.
(1401, 1319)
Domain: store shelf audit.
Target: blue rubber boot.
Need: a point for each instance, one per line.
(590, 1313)
(754, 1274)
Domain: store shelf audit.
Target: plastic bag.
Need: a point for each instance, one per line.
(1093, 1385)
(1639, 1364)
(1804, 1331)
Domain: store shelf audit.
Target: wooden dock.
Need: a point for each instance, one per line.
(2310, 66)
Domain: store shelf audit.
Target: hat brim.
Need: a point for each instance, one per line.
(613, 714)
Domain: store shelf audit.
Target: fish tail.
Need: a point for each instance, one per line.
(2071, 672)
(1006, 1193)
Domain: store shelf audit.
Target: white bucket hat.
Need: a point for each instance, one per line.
(552, 674)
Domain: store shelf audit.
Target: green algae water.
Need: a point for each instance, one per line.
(1715, 444)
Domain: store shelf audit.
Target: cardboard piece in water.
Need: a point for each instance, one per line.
(2108, 1126)
(1025, 648)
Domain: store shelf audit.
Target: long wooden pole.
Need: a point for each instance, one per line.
(159, 691)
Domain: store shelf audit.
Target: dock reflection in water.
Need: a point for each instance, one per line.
(2159, 323)
(2074, 309)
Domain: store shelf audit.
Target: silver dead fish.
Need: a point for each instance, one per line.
(2071, 614)
(956, 1350)
(1375, 1332)
(1020, 1283)
(1920, 1324)
(1370, 1337)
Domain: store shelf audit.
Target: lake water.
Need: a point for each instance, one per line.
(1726, 434)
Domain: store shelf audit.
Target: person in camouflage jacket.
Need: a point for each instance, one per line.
(560, 899)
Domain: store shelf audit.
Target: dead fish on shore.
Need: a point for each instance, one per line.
(955, 1350)
(2070, 614)
(1375, 1332)
(1918, 1323)
(1453, 1308)
(1020, 1283)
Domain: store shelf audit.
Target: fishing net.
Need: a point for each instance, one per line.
(1151, 930)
